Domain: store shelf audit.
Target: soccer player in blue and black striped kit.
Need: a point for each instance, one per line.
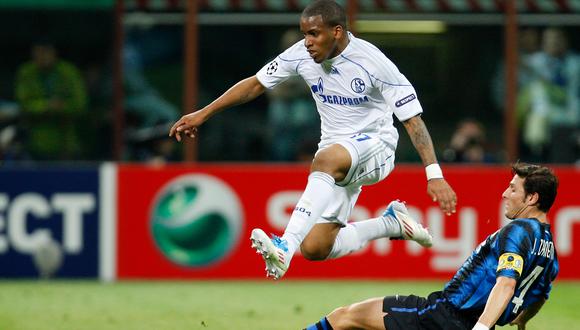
(507, 278)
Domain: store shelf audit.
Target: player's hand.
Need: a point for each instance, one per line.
(440, 191)
(518, 322)
(187, 125)
(521, 326)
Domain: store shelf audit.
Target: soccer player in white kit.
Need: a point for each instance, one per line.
(357, 90)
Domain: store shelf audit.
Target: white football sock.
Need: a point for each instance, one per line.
(313, 202)
(356, 235)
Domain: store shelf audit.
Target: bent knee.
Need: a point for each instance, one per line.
(334, 161)
(314, 252)
(340, 312)
(342, 318)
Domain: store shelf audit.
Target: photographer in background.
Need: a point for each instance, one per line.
(468, 144)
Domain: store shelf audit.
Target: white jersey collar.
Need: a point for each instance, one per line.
(328, 62)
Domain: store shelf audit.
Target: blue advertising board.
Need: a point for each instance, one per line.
(49, 222)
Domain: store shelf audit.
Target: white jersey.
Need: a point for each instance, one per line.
(355, 92)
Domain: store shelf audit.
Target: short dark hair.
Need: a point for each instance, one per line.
(332, 13)
(538, 179)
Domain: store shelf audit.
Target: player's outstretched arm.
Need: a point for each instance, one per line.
(527, 314)
(439, 190)
(498, 299)
(242, 92)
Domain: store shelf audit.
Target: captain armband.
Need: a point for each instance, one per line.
(511, 261)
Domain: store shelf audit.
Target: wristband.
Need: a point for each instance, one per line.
(433, 171)
(480, 326)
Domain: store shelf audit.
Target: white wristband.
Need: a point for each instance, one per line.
(433, 171)
(480, 326)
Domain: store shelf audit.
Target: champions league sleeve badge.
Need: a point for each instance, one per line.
(272, 67)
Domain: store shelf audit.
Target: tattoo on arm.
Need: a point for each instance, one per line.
(421, 139)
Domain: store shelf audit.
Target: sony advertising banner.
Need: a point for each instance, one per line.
(195, 221)
(49, 222)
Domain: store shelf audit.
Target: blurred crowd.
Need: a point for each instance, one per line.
(548, 99)
(51, 118)
(54, 116)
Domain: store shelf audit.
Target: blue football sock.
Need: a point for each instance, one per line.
(323, 324)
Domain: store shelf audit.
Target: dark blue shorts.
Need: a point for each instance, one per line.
(419, 313)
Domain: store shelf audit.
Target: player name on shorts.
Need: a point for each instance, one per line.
(543, 248)
(342, 100)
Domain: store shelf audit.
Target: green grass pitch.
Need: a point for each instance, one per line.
(240, 305)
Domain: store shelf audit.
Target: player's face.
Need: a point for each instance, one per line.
(320, 39)
(515, 198)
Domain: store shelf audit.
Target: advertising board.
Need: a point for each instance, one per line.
(195, 221)
(49, 222)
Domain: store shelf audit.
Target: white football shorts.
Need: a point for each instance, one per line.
(372, 161)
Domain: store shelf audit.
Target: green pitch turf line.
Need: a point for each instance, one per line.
(240, 305)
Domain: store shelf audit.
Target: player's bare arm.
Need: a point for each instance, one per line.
(438, 189)
(499, 298)
(527, 314)
(242, 92)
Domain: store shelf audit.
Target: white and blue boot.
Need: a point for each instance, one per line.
(410, 228)
(273, 251)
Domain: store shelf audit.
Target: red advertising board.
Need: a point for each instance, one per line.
(195, 221)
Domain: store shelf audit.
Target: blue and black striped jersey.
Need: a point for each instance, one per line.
(523, 250)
